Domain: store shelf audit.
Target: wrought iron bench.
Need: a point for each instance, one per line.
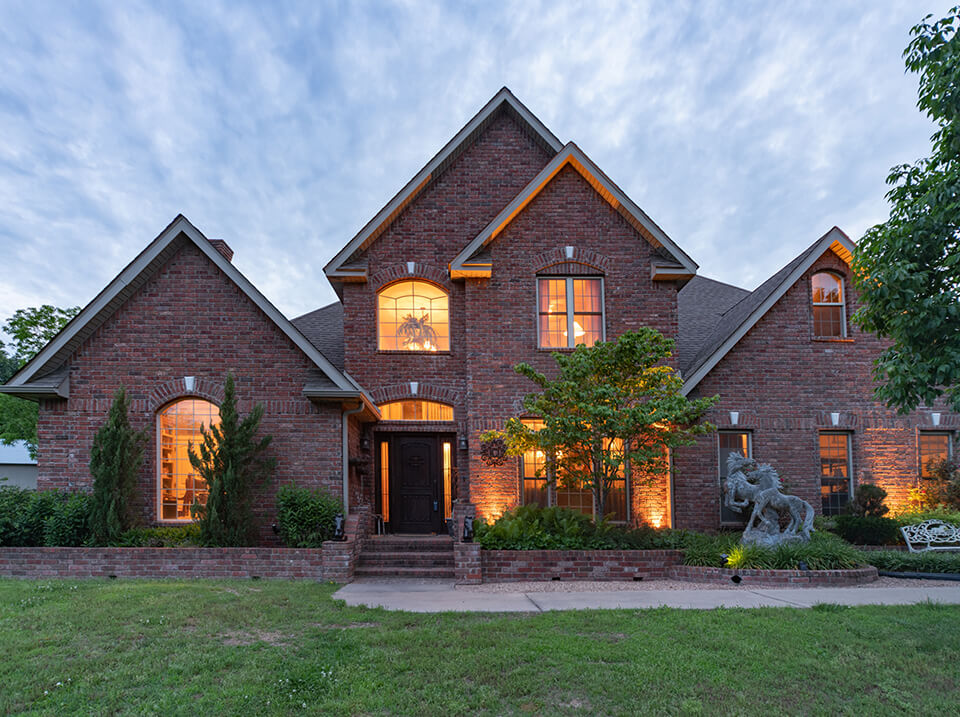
(931, 535)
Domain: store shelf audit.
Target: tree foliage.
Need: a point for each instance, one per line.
(908, 268)
(115, 459)
(232, 461)
(30, 330)
(612, 404)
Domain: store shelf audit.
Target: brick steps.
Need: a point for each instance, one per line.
(406, 556)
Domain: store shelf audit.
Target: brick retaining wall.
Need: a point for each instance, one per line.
(775, 578)
(516, 565)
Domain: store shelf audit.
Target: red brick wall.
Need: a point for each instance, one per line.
(785, 384)
(501, 312)
(190, 320)
(503, 566)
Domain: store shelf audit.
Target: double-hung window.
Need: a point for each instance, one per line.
(738, 442)
(934, 447)
(570, 311)
(836, 472)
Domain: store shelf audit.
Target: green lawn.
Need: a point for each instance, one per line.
(257, 647)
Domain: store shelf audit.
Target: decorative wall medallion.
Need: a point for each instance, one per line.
(494, 452)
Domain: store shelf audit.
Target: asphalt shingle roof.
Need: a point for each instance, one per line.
(700, 307)
(323, 328)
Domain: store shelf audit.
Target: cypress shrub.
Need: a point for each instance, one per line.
(115, 460)
(231, 459)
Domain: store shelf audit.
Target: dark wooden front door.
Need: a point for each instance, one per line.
(416, 502)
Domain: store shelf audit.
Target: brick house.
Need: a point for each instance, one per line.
(508, 245)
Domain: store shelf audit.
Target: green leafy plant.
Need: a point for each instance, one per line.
(232, 460)
(868, 501)
(69, 523)
(115, 460)
(305, 518)
(908, 268)
(897, 561)
(823, 552)
(611, 404)
(530, 527)
(867, 530)
(165, 537)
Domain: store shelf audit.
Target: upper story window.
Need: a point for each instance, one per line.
(416, 410)
(413, 316)
(829, 313)
(179, 484)
(570, 312)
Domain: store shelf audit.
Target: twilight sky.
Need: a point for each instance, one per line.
(744, 129)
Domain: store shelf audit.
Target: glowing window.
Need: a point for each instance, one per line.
(178, 426)
(416, 411)
(934, 448)
(731, 442)
(385, 481)
(447, 480)
(413, 316)
(570, 312)
(533, 469)
(829, 315)
(835, 472)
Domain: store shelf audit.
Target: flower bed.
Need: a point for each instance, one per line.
(775, 578)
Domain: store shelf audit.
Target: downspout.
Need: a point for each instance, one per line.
(345, 456)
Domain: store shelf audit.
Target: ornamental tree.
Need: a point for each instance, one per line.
(115, 459)
(613, 404)
(908, 268)
(232, 461)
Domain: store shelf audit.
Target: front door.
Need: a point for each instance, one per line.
(416, 503)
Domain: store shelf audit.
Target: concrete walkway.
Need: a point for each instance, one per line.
(443, 596)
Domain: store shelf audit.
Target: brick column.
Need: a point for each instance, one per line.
(467, 567)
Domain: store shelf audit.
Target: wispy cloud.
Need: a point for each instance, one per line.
(745, 130)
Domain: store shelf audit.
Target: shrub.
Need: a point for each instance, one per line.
(69, 523)
(823, 552)
(34, 518)
(305, 517)
(530, 527)
(902, 562)
(941, 489)
(115, 460)
(165, 537)
(919, 516)
(231, 460)
(868, 501)
(867, 530)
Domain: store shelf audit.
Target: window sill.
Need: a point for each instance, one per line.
(414, 353)
(832, 339)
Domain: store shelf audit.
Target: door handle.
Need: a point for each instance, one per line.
(436, 506)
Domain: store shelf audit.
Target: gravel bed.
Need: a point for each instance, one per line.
(571, 586)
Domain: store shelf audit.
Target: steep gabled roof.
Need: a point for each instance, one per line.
(675, 265)
(338, 267)
(744, 315)
(45, 374)
(701, 304)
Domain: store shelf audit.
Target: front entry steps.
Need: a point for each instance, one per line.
(406, 556)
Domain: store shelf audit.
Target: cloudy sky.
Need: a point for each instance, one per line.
(745, 129)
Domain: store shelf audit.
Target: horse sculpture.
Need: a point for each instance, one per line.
(761, 486)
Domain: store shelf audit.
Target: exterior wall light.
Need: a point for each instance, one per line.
(463, 443)
(338, 533)
(468, 529)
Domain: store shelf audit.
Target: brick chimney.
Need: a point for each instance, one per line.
(221, 246)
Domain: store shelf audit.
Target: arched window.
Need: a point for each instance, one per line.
(829, 314)
(415, 410)
(179, 484)
(413, 316)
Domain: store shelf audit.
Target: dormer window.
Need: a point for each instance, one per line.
(570, 311)
(413, 316)
(829, 313)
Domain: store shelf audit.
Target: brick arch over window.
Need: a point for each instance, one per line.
(176, 389)
(425, 391)
(398, 272)
(580, 261)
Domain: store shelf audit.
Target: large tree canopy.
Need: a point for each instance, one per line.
(908, 268)
(30, 330)
(612, 404)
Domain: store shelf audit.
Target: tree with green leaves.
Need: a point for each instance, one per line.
(115, 459)
(612, 404)
(908, 268)
(31, 329)
(231, 459)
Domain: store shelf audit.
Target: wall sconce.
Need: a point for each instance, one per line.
(365, 444)
(463, 443)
